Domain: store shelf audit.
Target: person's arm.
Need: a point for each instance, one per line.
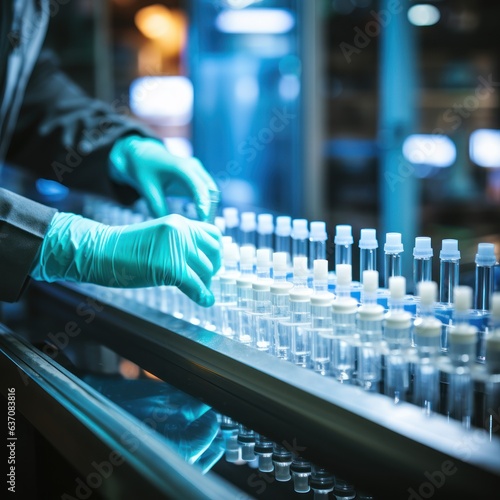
(65, 135)
(23, 225)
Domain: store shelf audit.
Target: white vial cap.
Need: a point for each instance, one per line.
(247, 255)
(300, 294)
(279, 261)
(423, 248)
(231, 252)
(283, 225)
(368, 239)
(281, 288)
(226, 240)
(322, 299)
(397, 287)
(393, 243)
(230, 215)
(248, 222)
(495, 306)
(398, 320)
(427, 291)
(299, 229)
(449, 250)
(300, 266)
(264, 257)
(343, 235)
(265, 224)
(462, 334)
(320, 269)
(220, 224)
(370, 281)
(344, 274)
(462, 298)
(318, 231)
(486, 254)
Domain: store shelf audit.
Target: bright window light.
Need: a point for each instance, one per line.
(255, 21)
(166, 100)
(423, 15)
(484, 147)
(429, 149)
(179, 146)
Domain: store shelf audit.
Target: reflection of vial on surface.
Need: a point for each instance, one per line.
(368, 245)
(301, 471)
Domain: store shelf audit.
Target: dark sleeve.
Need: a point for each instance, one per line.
(64, 135)
(23, 224)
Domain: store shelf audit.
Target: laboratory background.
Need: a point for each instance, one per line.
(353, 350)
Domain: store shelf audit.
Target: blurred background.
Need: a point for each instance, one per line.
(374, 113)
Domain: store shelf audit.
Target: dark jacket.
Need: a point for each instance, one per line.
(50, 126)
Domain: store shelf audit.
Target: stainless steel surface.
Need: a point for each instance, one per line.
(361, 437)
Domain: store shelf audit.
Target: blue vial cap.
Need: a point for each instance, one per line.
(449, 250)
(393, 243)
(343, 235)
(486, 254)
(368, 239)
(423, 248)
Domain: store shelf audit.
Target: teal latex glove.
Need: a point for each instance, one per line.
(171, 250)
(147, 166)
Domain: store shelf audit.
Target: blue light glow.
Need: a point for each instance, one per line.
(429, 149)
(423, 15)
(255, 21)
(484, 147)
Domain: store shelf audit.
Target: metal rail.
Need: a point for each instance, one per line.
(88, 429)
(382, 448)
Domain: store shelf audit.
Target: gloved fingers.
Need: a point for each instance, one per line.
(211, 248)
(154, 196)
(195, 289)
(211, 230)
(202, 266)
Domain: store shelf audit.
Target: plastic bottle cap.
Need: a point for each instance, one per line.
(299, 229)
(398, 321)
(345, 305)
(462, 298)
(282, 288)
(393, 243)
(462, 334)
(283, 225)
(220, 224)
(280, 261)
(248, 222)
(486, 254)
(318, 231)
(320, 269)
(230, 215)
(300, 266)
(265, 224)
(495, 306)
(264, 257)
(427, 291)
(397, 287)
(343, 235)
(371, 312)
(428, 327)
(300, 294)
(231, 252)
(449, 250)
(423, 248)
(370, 281)
(322, 299)
(226, 240)
(247, 255)
(246, 281)
(344, 274)
(368, 239)
(261, 286)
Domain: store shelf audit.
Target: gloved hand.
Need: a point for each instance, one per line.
(171, 250)
(147, 166)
